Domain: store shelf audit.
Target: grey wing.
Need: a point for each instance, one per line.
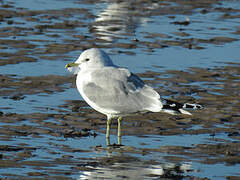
(117, 90)
(148, 97)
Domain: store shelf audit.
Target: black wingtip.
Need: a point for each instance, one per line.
(173, 107)
(192, 106)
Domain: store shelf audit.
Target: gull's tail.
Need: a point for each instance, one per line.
(173, 107)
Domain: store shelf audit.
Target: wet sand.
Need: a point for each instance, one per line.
(67, 141)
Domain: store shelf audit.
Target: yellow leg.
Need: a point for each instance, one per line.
(108, 141)
(109, 121)
(119, 131)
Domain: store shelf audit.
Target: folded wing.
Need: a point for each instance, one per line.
(119, 91)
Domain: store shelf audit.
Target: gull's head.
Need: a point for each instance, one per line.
(91, 58)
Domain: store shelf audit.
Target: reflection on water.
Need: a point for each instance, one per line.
(38, 37)
(118, 18)
(136, 169)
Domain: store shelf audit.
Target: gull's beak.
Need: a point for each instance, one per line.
(72, 65)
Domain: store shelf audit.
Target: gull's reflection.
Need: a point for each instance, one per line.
(117, 20)
(136, 170)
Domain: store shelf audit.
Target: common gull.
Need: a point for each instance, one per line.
(116, 92)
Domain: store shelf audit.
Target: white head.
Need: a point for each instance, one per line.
(91, 58)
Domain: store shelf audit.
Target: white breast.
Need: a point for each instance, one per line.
(80, 84)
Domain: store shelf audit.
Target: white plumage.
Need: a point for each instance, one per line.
(115, 91)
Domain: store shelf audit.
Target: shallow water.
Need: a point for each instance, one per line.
(187, 51)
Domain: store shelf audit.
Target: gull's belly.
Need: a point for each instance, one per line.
(80, 83)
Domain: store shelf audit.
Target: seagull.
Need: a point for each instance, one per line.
(117, 92)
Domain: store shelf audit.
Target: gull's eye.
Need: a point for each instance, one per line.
(87, 59)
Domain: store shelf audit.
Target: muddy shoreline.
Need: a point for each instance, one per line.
(59, 136)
